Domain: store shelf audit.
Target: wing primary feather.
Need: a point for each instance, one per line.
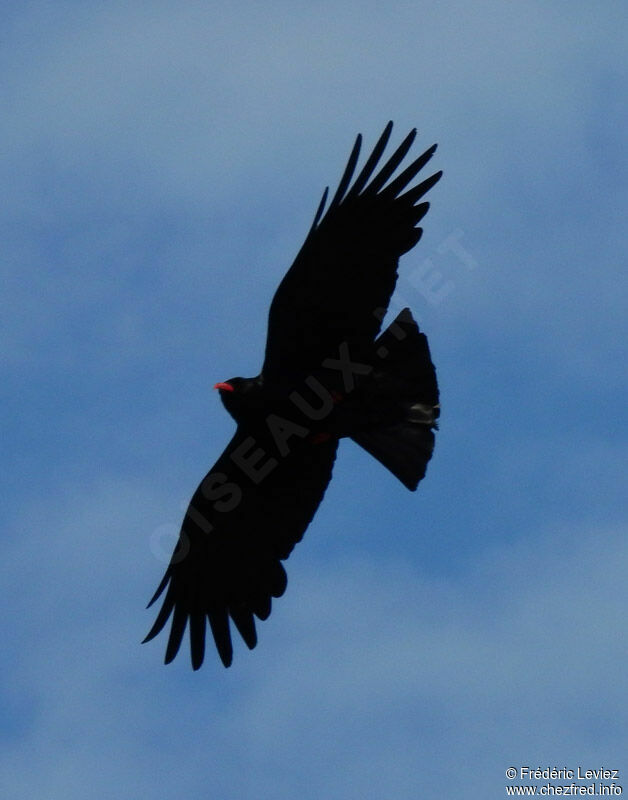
(319, 210)
(197, 639)
(163, 615)
(391, 165)
(245, 623)
(414, 194)
(402, 180)
(419, 212)
(261, 605)
(160, 588)
(219, 623)
(179, 621)
(347, 174)
(371, 163)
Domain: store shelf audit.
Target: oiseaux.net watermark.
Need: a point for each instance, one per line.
(433, 282)
(579, 781)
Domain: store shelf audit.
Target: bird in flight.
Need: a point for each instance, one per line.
(328, 373)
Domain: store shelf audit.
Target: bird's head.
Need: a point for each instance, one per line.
(229, 392)
(236, 395)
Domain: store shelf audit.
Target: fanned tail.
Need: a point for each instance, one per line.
(404, 383)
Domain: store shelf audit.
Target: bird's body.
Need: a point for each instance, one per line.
(327, 375)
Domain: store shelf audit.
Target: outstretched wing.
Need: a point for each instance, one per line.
(340, 283)
(243, 520)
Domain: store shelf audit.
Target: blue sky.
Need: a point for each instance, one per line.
(161, 164)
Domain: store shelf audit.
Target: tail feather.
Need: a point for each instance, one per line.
(404, 449)
(405, 376)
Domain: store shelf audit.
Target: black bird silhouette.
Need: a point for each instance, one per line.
(326, 375)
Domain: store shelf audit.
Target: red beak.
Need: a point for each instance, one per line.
(225, 387)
